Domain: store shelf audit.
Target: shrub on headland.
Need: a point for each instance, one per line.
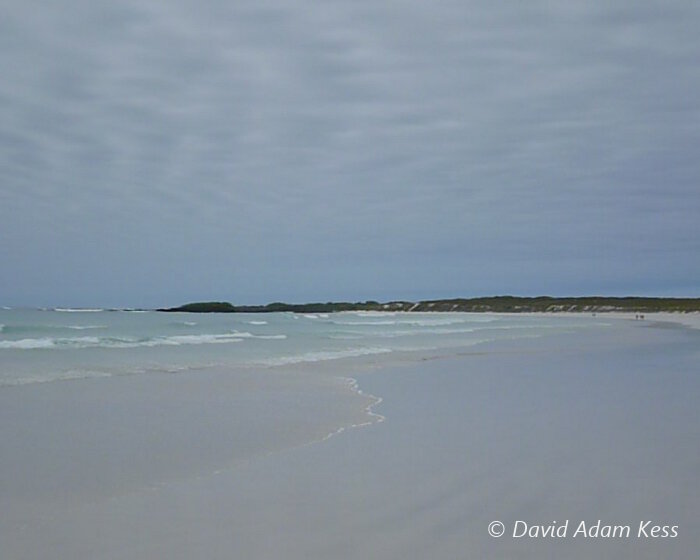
(496, 304)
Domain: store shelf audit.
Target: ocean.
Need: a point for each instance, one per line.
(49, 345)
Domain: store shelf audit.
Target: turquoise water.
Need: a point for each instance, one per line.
(38, 346)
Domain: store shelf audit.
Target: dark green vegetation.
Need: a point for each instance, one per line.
(498, 304)
(205, 307)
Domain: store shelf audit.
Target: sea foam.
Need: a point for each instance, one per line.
(323, 356)
(116, 342)
(75, 310)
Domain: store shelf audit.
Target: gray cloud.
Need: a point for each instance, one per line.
(277, 150)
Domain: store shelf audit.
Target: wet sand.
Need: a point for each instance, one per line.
(600, 425)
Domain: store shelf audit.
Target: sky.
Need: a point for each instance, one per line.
(153, 153)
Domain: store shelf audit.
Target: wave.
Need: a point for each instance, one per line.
(401, 333)
(75, 310)
(73, 375)
(192, 339)
(257, 322)
(403, 316)
(412, 322)
(261, 336)
(67, 376)
(372, 313)
(28, 343)
(131, 342)
(366, 323)
(116, 342)
(15, 329)
(359, 334)
(324, 356)
(347, 336)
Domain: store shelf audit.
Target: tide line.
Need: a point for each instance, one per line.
(376, 417)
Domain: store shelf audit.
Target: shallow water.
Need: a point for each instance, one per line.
(49, 345)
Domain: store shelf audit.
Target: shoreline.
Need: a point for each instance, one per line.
(591, 425)
(689, 319)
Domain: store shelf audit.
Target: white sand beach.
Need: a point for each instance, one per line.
(601, 425)
(305, 280)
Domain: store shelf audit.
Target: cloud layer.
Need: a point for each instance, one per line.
(347, 149)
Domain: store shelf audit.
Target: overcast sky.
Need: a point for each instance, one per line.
(159, 152)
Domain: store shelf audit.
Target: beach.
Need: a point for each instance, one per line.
(301, 280)
(383, 455)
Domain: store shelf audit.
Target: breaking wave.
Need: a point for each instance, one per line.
(131, 342)
(323, 356)
(116, 342)
(75, 310)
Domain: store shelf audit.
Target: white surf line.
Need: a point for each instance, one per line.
(352, 383)
(377, 418)
(377, 401)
